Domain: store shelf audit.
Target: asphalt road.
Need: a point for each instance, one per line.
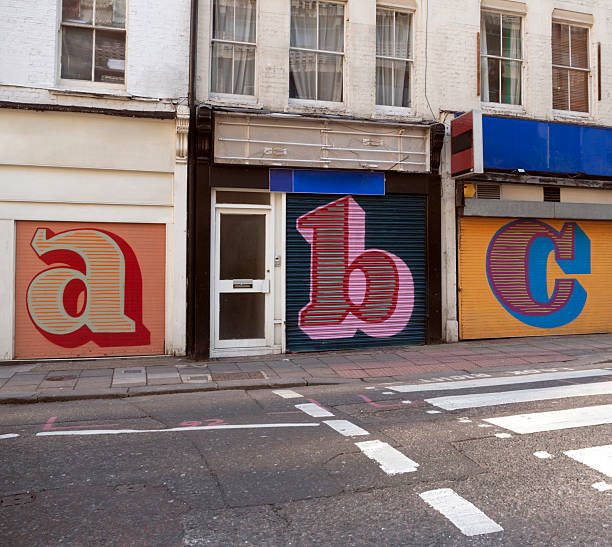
(357, 464)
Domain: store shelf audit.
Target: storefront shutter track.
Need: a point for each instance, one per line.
(395, 224)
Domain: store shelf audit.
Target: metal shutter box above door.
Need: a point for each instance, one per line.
(356, 268)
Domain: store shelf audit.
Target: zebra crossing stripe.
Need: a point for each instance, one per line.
(596, 457)
(504, 380)
(313, 410)
(555, 419)
(470, 520)
(389, 459)
(457, 402)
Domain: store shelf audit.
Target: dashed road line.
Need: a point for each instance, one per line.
(169, 430)
(389, 459)
(470, 520)
(555, 419)
(504, 380)
(457, 402)
(314, 410)
(9, 436)
(596, 457)
(287, 393)
(346, 428)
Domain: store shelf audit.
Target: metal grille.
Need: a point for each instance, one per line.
(349, 267)
(487, 191)
(552, 193)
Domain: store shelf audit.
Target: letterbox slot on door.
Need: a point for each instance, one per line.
(243, 283)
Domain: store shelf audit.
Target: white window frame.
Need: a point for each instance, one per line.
(492, 106)
(296, 101)
(575, 113)
(232, 97)
(391, 109)
(90, 85)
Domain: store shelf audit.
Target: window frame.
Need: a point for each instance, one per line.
(519, 107)
(559, 112)
(91, 85)
(297, 101)
(387, 108)
(232, 97)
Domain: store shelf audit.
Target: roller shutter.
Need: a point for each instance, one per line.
(356, 271)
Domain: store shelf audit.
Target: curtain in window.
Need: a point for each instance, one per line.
(331, 38)
(511, 70)
(384, 47)
(303, 64)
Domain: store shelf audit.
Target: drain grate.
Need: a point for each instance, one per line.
(17, 499)
(61, 378)
(256, 375)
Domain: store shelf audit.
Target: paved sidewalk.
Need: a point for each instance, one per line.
(82, 379)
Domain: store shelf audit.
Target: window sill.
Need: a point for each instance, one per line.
(569, 115)
(500, 108)
(306, 106)
(394, 112)
(96, 89)
(225, 99)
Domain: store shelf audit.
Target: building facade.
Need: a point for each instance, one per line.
(317, 191)
(93, 177)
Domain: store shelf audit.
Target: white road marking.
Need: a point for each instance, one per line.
(346, 428)
(543, 455)
(406, 402)
(470, 520)
(485, 425)
(286, 393)
(596, 457)
(503, 435)
(456, 402)
(433, 411)
(170, 430)
(388, 393)
(555, 419)
(314, 410)
(389, 459)
(504, 380)
(9, 436)
(602, 486)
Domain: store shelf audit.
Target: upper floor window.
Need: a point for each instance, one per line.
(570, 67)
(316, 55)
(501, 58)
(93, 40)
(393, 57)
(233, 47)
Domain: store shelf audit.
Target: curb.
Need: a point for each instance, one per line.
(141, 391)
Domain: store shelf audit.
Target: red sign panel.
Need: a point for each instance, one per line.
(466, 144)
(86, 289)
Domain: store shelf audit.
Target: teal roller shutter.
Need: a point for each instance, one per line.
(356, 271)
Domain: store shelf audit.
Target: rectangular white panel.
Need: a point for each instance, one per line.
(346, 428)
(596, 457)
(390, 460)
(314, 410)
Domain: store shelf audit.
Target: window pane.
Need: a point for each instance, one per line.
(223, 20)
(490, 33)
(384, 82)
(244, 70)
(511, 82)
(560, 88)
(243, 246)
(246, 15)
(77, 11)
(401, 91)
(580, 47)
(302, 74)
(579, 91)
(110, 13)
(560, 44)
(221, 72)
(330, 77)
(110, 56)
(402, 35)
(489, 71)
(511, 37)
(304, 23)
(331, 27)
(384, 32)
(242, 316)
(77, 46)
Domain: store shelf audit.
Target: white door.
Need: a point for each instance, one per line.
(241, 285)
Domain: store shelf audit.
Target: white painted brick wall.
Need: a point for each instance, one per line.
(450, 71)
(157, 53)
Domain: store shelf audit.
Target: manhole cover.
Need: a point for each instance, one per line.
(61, 378)
(256, 375)
(17, 499)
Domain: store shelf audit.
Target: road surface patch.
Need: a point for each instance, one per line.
(389, 459)
(555, 419)
(470, 520)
